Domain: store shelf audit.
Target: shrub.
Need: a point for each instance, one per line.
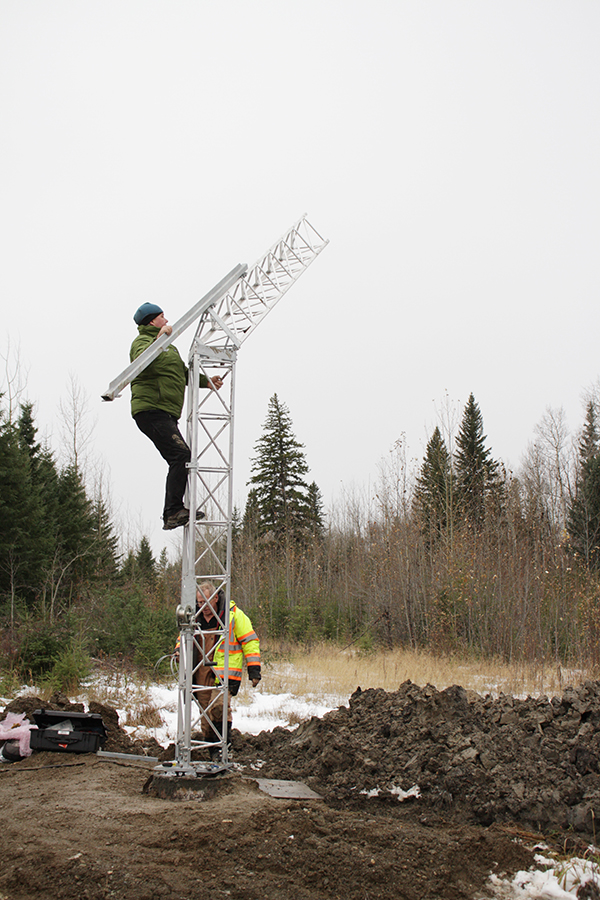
(157, 638)
(39, 651)
(69, 669)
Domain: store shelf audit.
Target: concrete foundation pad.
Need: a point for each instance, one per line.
(170, 786)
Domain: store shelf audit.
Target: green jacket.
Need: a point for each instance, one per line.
(162, 384)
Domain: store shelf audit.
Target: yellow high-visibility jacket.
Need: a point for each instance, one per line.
(243, 644)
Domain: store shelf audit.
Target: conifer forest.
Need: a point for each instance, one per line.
(459, 556)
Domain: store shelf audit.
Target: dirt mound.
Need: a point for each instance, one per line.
(81, 824)
(533, 761)
(28, 704)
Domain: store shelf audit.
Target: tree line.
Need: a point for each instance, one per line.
(66, 592)
(459, 556)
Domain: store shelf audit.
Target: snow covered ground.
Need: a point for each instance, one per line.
(552, 881)
(253, 711)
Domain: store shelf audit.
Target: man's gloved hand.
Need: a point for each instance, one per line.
(255, 681)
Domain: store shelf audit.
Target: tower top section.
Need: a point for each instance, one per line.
(227, 323)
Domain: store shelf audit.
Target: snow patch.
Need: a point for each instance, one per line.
(396, 790)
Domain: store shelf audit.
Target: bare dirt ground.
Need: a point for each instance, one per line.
(495, 776)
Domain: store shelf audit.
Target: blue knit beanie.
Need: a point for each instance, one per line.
(145, 310)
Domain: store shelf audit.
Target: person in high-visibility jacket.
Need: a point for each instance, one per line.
(209, 667)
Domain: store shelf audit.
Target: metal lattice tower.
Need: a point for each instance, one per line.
(226, 316)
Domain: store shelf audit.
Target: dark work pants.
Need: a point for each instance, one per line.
(162, 430)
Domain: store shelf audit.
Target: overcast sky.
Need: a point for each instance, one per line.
(449, 150)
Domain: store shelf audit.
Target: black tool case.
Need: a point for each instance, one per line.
(67, 732)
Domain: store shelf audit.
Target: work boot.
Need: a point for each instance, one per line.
(181, 517)
(215, 752)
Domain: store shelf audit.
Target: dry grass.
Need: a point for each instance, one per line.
(148, 716)
(326, 669)
(122, 690)
(328, 676)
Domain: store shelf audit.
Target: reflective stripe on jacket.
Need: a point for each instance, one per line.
(243, 643)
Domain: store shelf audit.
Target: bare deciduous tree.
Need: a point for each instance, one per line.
(14, 381)
(76, 426)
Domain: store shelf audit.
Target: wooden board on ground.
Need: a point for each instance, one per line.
(288, 790)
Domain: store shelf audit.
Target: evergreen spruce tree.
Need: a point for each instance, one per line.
(434, 492)
(278, 501)
(477, 474)
(236, 524)
(23, 547)
(236, 530)
(44, 479)
(251, 516)
(76, 529)
(105, 553)
(583, 519)
(27, 433)
(129, 567)
(163, 562)
(589, 443)
(314, 510)
(146, 564)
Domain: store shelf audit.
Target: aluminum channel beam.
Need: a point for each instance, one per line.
(144, 359)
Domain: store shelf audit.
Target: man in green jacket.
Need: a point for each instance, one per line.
(157, 396)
